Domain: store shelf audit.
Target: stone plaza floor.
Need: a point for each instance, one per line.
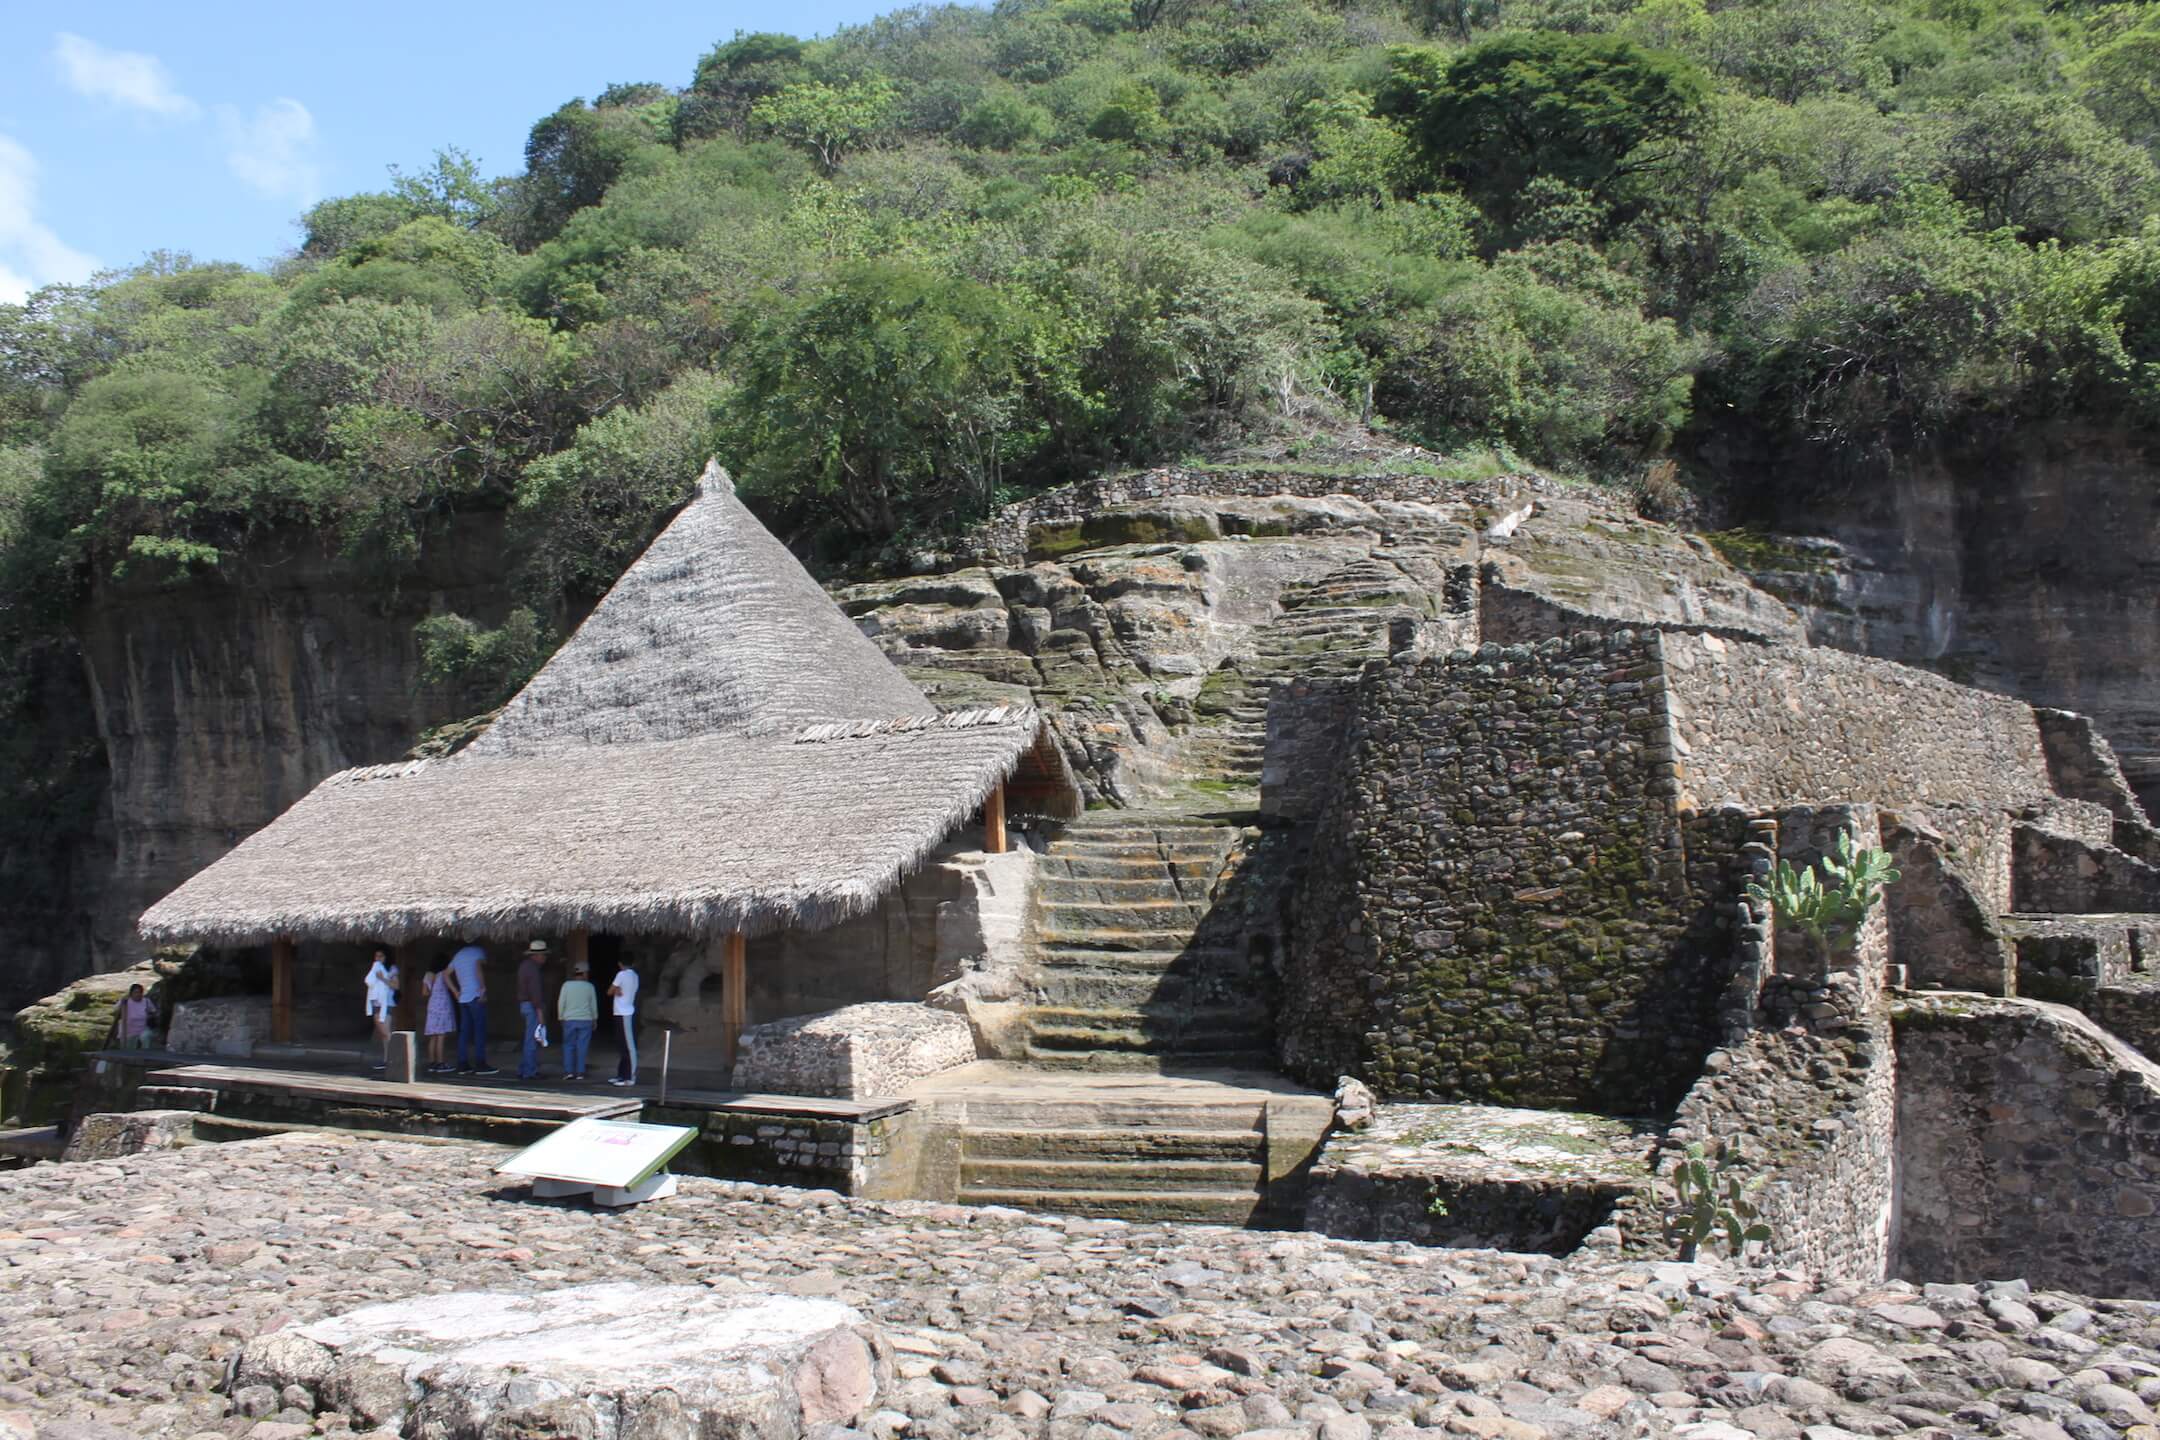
(127, 1287)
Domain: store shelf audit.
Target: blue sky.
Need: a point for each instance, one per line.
(132, 127)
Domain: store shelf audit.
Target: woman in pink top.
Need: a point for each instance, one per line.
(133, 1018)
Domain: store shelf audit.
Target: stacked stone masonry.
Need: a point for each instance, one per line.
(2028, 1144)
(1507, 912)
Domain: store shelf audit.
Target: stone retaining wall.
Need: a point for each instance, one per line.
(1816, 1111)
(2028, 1144)
(2056, 873)
(1306, 723)
(855, 1157)
(2082, 765)
(1778, 725)
(1504, 904)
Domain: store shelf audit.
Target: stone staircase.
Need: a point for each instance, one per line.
(1328, 627)
(1138, 968)
(1186, 1159)
(1128, 973)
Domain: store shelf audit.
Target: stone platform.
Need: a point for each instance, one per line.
(1220, 1145)
(1537, 1180)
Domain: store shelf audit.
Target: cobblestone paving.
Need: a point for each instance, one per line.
(126, 1287)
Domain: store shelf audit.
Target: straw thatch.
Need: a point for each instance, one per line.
(716, 630)
(717, 749)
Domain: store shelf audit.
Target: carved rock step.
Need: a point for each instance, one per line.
(1125, 1145)
(1107, 938)
(1115, 889)
(1169, 960)
(1090, 988)
(1073, 917)
(1232, 1207)
(1168, 1018)
(1046, 1114)
(1178, 848)
(1177, 1042)
(1148, 1062)
(1156, 1176)
(1122, 865)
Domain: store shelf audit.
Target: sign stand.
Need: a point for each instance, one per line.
(658, 1187)
(620, 1162)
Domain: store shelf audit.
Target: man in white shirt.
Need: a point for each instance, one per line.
(623, 992)
(468, 987)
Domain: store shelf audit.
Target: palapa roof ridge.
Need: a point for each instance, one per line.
(717, 629)
(900, 725)
(718, 748)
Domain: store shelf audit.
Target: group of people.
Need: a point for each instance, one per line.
(455, 991)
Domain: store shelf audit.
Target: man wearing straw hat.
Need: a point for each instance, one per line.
(532, 1010)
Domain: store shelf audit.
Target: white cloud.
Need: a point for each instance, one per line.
(125, 77)
(30, 253)
(274, 148)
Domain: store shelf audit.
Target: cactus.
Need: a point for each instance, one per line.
(1828, 901)
(1711, 1201)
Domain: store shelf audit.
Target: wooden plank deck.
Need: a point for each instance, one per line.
(513, 1104)
(815, 1107)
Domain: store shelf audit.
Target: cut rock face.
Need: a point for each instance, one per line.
(601, 1361)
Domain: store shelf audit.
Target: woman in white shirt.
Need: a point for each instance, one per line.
(381, 997)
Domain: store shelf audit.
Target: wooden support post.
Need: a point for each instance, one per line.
(409, 1009)
(282, 955)
(577, 950)
(994, 821)
(734, 994)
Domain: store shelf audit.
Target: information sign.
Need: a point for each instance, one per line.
(600, 1154)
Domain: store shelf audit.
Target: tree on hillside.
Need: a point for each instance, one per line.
(2044, 166)
(891, 388)
(571, 158)
(1588, 110)
(831, 122)
(732, 78)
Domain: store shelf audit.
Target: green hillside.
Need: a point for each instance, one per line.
(895, 275)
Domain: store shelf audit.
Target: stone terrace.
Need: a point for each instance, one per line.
(127, 1286)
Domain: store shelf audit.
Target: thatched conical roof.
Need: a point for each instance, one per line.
(717, 748)
(716, 630)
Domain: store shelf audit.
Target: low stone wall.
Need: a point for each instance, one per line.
(106, 1137)
(2054, 873)
(1814, 1110)
(2028, 1144)
(872, 1156)
(855, 1053)
(225, 1025)
(1475, 1177)
(2082, 765)
(1941, 930)
(2065, 958)
(1502, 903)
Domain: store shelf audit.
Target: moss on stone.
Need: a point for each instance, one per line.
(1756, 550)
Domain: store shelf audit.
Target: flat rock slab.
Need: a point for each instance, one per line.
(598, 1361)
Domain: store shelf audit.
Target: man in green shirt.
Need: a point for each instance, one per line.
(577, 1006)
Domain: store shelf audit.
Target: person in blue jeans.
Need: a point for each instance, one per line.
(577, 1005)
(469, 987)
(532, 1009)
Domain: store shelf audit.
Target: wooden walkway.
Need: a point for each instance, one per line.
(521, 1103)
